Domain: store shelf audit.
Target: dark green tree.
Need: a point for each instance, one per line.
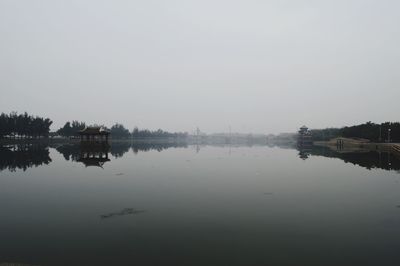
(23, 126)
(118, 131)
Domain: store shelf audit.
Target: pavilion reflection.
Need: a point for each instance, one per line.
(94, 155)
(304, 153)
(97, 154)
(88, 154)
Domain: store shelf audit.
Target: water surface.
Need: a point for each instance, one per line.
(208, 205)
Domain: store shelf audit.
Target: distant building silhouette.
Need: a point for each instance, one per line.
(304, 137)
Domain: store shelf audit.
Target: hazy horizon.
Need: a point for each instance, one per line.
(254, 66)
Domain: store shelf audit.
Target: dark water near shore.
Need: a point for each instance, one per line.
(154, 204)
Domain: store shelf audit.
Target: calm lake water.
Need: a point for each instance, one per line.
(189, 205)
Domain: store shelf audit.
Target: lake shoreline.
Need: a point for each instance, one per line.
(352, 144)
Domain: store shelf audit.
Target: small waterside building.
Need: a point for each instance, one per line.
(94, 134)
(304, 137)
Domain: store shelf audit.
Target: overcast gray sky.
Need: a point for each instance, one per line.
(260, 66)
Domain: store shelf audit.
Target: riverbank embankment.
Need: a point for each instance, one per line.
(357, 144)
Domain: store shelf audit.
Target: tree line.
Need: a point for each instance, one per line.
(71, 128)
(370, 131)
(24, 126)
(145, 133)
(119, 131)
(16, 125)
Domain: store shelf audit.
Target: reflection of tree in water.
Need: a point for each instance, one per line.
(23, 156)
(136, 147)
(366, 159)
(70, 151)
(118, 149)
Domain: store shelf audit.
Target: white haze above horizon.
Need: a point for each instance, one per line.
(257, 66)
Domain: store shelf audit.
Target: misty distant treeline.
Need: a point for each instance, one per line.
(16, 125)
(145, 133)
(119, 131)
(370, 131)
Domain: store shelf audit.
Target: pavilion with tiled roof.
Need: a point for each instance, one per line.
(94, 134)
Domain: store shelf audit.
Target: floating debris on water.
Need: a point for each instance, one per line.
(15, 264)
(126, 211)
